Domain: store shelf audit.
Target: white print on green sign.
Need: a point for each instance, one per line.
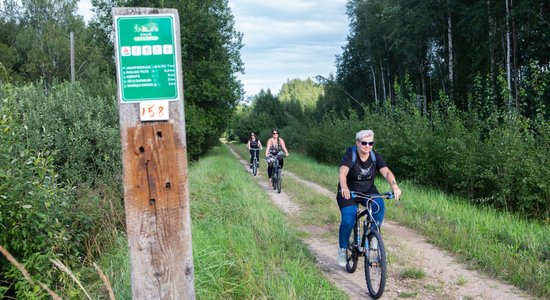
(146, 54)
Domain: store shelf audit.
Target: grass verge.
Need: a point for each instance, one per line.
(242, 246)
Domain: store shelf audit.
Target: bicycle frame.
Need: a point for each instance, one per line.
(256, 151)
(375, 253)
(276, 179)
(364, 218)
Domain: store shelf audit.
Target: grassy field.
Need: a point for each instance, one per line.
(497, 243)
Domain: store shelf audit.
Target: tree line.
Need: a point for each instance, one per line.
(457, 92)
(35, 40)
(448, 46)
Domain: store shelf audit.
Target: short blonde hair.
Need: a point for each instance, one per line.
(363, 134)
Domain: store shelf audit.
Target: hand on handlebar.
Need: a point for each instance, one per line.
(346, 193)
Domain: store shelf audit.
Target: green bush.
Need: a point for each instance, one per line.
(42, 216)
(83, 130)
(500, 161)
(33, 223)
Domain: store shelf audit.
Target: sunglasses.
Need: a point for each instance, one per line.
(274, 133)
(367, 143)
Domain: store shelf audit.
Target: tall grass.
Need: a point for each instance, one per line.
(498, 243)
(243, 248)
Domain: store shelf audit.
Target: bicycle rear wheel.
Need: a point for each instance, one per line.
(352, 252)
(255, 166)
(279, 180)
(375, 265)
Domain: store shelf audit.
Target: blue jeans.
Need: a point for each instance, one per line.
(348, 219)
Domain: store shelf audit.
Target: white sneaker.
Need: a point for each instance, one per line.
(374, 244)
(342, 257)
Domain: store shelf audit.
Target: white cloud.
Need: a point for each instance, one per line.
(85, 9)
(288, 39)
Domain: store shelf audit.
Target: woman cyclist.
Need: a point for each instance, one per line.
(275, 144)
(254, 145)
(358, 176)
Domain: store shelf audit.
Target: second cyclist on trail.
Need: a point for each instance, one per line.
(275, 144)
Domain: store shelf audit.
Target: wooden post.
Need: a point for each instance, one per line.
(156, 195)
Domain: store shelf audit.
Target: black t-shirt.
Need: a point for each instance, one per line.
(360, 177)
(254, 144)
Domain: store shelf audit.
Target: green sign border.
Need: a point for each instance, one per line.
(120, 66)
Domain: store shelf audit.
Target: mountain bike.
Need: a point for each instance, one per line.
(368, 243)
(255, 160)
(276, 176)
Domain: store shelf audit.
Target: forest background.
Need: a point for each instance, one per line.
(457, 93)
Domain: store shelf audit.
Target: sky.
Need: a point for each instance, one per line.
(284, 39)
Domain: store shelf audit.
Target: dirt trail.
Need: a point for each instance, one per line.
(445, 277)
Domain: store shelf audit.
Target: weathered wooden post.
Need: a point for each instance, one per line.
(154, 156)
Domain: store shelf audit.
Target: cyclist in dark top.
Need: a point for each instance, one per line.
(359, 176)
(275, 144)
(253, 146)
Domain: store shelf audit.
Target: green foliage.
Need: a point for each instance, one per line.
(446, 46)
(498, 161)
(33, 224)
(47, 140)
(266, 112)
(35, 43)
(330, 151)
(304, 92)
(82, 129)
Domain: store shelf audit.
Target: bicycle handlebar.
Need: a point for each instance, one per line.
(388, 195)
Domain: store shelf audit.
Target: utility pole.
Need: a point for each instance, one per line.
(72, 56)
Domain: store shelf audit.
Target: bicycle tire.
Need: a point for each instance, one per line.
(274, 180)
(279, 180)
(375, 266)
(352, 253)
(255, 166)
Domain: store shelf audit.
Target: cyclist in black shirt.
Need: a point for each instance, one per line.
(254, 145)
(358, 176)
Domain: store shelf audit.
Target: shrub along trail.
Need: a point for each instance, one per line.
(442, 277)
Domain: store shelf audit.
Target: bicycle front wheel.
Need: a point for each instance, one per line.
(375, 265)
(279, 180)
(255, 166)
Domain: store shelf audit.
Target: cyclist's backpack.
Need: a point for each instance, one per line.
(353, 150)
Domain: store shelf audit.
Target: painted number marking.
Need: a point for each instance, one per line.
(154, 110)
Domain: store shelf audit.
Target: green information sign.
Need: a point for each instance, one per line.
(146, 54)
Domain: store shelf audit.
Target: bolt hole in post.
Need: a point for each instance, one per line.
(366, 240)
